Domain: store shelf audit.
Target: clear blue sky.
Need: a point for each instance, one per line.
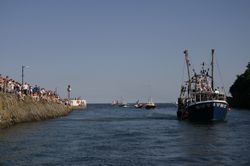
(108, 49)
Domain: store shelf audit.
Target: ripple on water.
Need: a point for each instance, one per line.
(104, 135)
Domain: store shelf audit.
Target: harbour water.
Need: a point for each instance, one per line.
(106, 135)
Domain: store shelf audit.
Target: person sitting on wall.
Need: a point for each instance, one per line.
(1, 83)
(25, 88)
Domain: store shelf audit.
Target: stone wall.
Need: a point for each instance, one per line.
(13, 110)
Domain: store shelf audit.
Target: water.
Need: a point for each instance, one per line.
(105, 135)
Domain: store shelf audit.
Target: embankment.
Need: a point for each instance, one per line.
(13, 111)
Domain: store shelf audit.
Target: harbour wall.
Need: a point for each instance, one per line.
(13, 110)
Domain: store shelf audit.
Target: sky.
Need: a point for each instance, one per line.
(129, 49)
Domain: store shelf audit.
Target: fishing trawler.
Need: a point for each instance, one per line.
(199, 100)
(115, 103)
(120, 103)
(150, 104)
(138, 104)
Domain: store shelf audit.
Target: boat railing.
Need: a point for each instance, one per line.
(204, 96)
(199, 97)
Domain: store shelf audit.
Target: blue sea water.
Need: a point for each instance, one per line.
(113, 136)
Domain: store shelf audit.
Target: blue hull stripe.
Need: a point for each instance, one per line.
(208, 111)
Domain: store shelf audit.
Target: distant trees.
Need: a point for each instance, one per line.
(240, 90)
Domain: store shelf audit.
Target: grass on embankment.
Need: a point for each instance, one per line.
(14, 111)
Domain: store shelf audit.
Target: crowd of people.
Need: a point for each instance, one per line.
(8, 85)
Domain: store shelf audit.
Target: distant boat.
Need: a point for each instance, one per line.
(78, 103)
(199, 100)
(120, 103)
(150, 105)
(115, 103)
(138, 104)
(123, 104)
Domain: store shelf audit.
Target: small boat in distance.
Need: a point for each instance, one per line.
(123, 104)
(115, 103)
(78, 103)
(150, 105)
(138, 104)
(118, 103)
(199, 100)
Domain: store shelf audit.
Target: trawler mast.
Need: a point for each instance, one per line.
(201, 102)
(188, 70)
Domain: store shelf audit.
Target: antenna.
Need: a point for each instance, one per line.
(212, 71)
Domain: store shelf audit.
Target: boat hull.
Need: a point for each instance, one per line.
(138, 106)
(78, 104)
(150, 107)
(208, 111)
